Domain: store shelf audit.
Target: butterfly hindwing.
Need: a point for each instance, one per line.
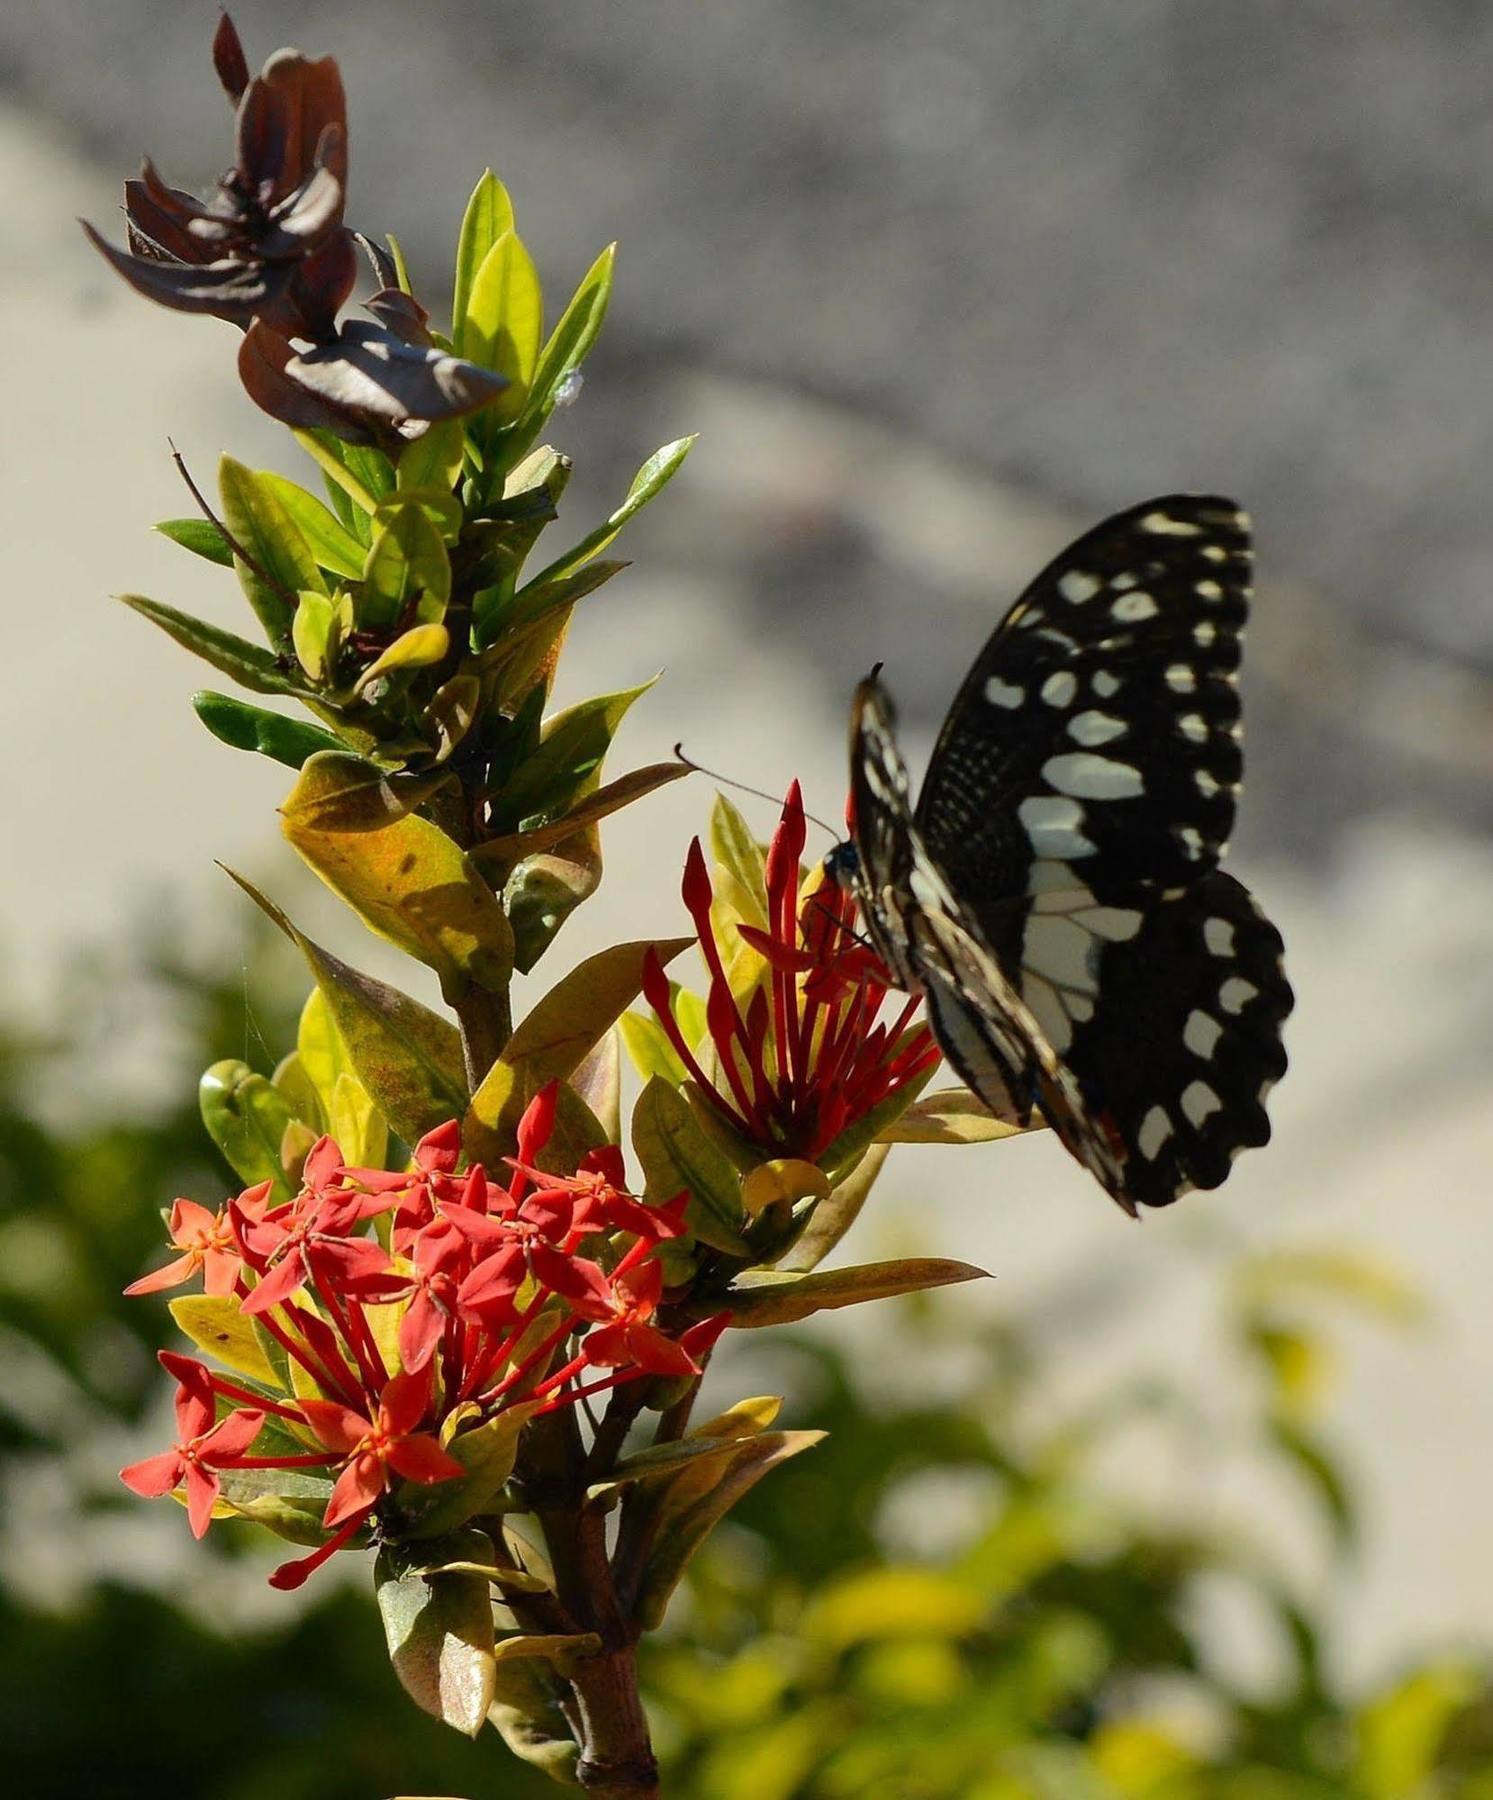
(1100, 722)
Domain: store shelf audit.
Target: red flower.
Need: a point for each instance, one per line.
(201, 1449)
(380, 1448)
(208, 1241)
(310, 1234)
(808, 1057)
(626, 1336)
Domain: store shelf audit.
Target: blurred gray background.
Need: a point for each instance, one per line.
(939, 285)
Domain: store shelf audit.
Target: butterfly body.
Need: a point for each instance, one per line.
(1055, 892)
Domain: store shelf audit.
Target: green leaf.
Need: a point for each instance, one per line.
(780, 1297)
(598, 1081)
(556, 1037)
(407, 881)
(332, 544)
(407, 557)
(681, 1529)
(841, 1157)
(312, 635)
(951, 1116)
(538, 601)
(439, 1630)
(488, 216)
(659, 1461)
(833, 1217)
(434, 459)
(361, 1130)
(675, 1153)
(247, 1119)
(216, 1323)
(201, 536)
(260, 525)
(571, 339)
(252, 667)
(245, 727)
(504, 319)
(571, 750)
(409, 1059)
(296, 1087)
(488, 1452)
(649, 481)
(734, 846)
(635, 785)
(649, 1049)
(543, 891)
(781, 1182)
(289, 1502)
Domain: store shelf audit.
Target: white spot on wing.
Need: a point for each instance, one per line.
(1052, 825)
(1081, 773)
(1191, 840)
(1181, 678)
(1077, 587)
(1162, 524)
(1106, 686)
(1042, 998)
(1204, 634)
(1193, 726)
(1235, 994)
(1004, 693)
(1059, 689)
(1205, 784)
(1218, 935)
(1094, 728)
(1208, 590)
(1155, 1129)
(1199, 1101)
(1201, 1034)
(1117, 923)
(1059, 951)
(1131, 609)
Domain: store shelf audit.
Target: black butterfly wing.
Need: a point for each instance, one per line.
(1099, 726)
(1077, 800)
(1166, 1008)
(926, 938)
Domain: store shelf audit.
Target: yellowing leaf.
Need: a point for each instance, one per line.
(215, 1323)
(675, 1153)
(781, 1297)
(782, 1182)
(264, 530)
(951, 1116)
(489, 213)
(408, 882)
(416, 648)
(833, 1217)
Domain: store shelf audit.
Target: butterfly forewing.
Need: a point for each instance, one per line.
(1099, 725)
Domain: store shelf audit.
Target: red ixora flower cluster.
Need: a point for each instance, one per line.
(807, 1058)
(499, 1307)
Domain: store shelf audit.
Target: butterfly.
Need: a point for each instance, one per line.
(1055, 893)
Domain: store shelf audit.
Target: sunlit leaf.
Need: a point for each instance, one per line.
(332, 544)
(833, 1217)
(649, 481)
(557, 1036)
(951, 1116)
(1400, 1734)
(257, 669)
(782, 1182)
(504, 320)
(635, 785)
(215, 1323)
(489, 1452)
(434, 459)
(409, 1059)
(439, 1630)
(735, 848)
(893, 1602)
(408, 881)
(571, 339)
(407, 557)
(675, 1153)
(489, 214)
(781, 1297)
(201, 537)
(246, 1118)
(418, 648)
(681, 1530)
(571, 751)
(265, 531)
(341, 794)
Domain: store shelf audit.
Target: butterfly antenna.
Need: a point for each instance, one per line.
(742, 787)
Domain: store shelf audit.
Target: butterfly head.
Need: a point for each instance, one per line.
(843, 864)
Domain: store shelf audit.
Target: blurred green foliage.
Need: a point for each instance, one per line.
(1057, 1642)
